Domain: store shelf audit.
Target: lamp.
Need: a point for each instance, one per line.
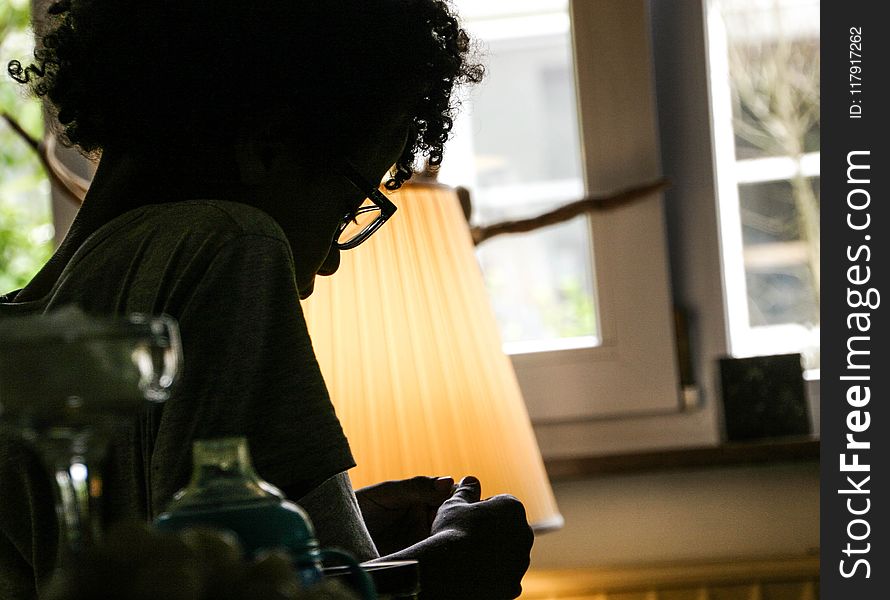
(408, 345)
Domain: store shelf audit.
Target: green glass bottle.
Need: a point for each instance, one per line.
(226, 493)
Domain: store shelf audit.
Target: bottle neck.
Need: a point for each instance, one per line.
(222, 473)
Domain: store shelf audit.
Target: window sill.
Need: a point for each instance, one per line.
(776, 450)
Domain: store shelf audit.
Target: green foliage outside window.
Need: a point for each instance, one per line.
(25, 219)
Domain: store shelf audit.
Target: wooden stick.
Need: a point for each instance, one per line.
(571, 210)
(20, 131)
(74, 190)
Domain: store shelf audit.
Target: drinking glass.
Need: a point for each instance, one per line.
(66, 379)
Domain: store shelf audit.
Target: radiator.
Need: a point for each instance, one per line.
(795, 578)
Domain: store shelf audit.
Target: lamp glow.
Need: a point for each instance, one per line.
(409, 347)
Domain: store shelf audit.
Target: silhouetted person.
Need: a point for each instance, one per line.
(235, 139)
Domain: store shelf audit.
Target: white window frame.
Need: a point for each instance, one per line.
(689, 143)
(582, 401)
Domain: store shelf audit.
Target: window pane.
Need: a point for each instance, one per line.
(766, 55)
(781, 284)
(517, 149)
(773, 48)
(547, 272)
(524, 125)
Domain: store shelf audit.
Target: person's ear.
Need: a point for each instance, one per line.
(259, 150)
(257, 159)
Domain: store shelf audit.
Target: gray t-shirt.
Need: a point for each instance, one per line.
(225, 271)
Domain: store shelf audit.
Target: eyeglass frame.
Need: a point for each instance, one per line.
(372, 193)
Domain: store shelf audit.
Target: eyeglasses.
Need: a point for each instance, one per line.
(358, 226)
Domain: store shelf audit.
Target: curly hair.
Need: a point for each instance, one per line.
(121, 72)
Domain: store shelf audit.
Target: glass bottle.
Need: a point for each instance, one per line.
(226, 493)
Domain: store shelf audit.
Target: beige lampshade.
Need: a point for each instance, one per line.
(408, 345)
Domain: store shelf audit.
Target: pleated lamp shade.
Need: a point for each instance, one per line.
(410, 350)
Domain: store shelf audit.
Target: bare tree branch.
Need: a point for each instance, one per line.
(776, 104)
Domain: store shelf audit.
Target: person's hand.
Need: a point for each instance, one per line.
(136, 563)
(487, 544)
(494, 538)
(399, 514)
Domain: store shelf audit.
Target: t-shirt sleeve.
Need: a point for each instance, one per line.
(249, 370)
(335, 513)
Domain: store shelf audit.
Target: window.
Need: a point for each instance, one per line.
(517, 148)
(764, 74)
(722, 182)
(584, 307)
(26, 229)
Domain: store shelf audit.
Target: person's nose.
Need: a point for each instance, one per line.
(331, 262)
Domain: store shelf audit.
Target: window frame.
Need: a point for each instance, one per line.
(684, 90)
(632, 378)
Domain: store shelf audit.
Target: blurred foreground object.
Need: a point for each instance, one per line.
(66, 380)
(136, 563)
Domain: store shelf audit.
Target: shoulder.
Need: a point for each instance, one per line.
(156, 257)
(191, 232)
(218, 216)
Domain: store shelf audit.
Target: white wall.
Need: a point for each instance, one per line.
(703, 514)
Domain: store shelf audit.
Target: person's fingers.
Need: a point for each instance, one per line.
(468, 490)
(509, 505)
(514, 512)
(427, 490)
(430, 491)
(444, 485)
